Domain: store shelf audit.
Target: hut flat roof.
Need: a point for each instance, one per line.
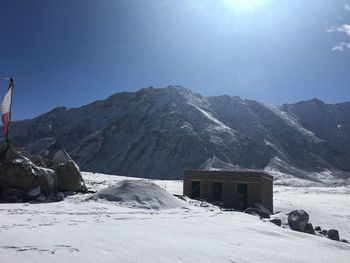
(229, 173)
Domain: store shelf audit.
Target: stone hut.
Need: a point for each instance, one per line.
(230, 189)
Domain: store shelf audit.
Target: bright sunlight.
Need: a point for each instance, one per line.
(245, 5)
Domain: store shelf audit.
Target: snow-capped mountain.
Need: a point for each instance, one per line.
(157, 133)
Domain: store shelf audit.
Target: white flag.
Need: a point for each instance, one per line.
(6, 109)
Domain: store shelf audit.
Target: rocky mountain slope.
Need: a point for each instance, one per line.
(157, 133)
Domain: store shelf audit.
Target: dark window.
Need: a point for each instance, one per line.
(196, 190)
(217, 191)
(242, 196)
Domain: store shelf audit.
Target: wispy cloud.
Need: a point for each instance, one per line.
(344, 29)
(341, 46)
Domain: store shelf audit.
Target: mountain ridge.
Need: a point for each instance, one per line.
(157, 133)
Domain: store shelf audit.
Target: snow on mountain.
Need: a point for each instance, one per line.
(330, 122)
(157, 133)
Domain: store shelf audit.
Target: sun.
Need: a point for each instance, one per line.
(245, 5)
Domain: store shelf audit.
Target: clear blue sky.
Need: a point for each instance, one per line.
(72, 52)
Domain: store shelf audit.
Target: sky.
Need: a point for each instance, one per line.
(73, 52)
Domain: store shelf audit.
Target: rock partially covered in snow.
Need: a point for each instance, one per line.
(19, 172)
(58, 154)
(68, 173)
(25, 176)
(140, 194)
(263, 209)
(69, 177)
(333, 234)
(298, 220)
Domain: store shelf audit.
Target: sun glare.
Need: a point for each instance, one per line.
(245, 5)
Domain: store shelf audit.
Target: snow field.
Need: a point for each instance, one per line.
(76, 230)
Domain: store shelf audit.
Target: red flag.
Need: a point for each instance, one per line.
(6, 109)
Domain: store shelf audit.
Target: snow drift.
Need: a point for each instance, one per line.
(101, 231)
(140, 194)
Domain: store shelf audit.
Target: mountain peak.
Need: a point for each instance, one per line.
(317, 101)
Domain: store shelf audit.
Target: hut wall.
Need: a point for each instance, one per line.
(259, 186)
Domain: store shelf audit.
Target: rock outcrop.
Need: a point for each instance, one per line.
(19, 176)
(25, 177)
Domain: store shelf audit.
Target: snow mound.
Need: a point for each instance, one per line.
(140, 194)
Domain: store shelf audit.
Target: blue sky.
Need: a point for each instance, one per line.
(72, 52)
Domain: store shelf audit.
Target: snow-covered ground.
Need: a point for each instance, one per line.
(328, 207)
(80, 229)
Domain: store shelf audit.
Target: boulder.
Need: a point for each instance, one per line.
(298, 220)
(20, 173)
(25, 176)
(309, 229)
(333, 234)
(276, 221)
(68, 173)
(256, 212)
(69, 177)
(318, 228)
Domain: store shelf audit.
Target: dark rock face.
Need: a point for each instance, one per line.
(333, 234)
(11, 195)
(69, 177)
(298, 220)
(276, 221)
(20, 173)
(309, 229)
(318, 228)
